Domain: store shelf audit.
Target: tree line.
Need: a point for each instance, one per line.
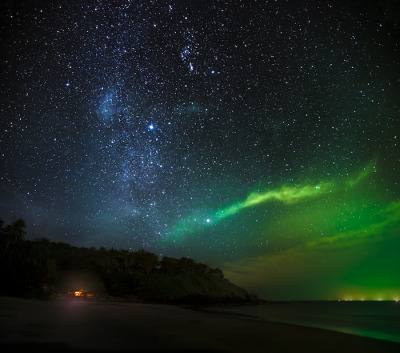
(45, 268)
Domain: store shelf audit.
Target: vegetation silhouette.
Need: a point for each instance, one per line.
(46, 269)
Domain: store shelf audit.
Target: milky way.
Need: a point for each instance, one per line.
(185, 127)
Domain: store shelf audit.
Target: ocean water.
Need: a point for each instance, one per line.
(373, 319)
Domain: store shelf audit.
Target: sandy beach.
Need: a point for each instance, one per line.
(78, 325)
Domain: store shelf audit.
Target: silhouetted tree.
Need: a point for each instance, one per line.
(11, 235)
(145, 261)
(217, 273)
(17, 229)
(187, 265)
(169, 265)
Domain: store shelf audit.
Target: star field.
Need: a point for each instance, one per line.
(226, 131)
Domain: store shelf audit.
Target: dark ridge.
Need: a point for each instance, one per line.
(45, 269)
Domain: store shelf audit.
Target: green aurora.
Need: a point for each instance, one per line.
(353, 258)
(285, 194)
(342, 232)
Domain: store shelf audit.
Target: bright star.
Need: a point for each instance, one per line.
(151, 126)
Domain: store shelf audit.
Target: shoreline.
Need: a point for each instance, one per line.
(77, 326)
(355, 318)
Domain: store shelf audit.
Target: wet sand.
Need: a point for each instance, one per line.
(79, 325)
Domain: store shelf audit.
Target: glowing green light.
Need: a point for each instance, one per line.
(371, 167)
(285, 194)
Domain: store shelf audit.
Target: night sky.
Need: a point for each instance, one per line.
(261, 137)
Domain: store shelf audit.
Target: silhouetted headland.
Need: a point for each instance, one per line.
(45, 269)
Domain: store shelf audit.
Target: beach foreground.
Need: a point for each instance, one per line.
(79, 325)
